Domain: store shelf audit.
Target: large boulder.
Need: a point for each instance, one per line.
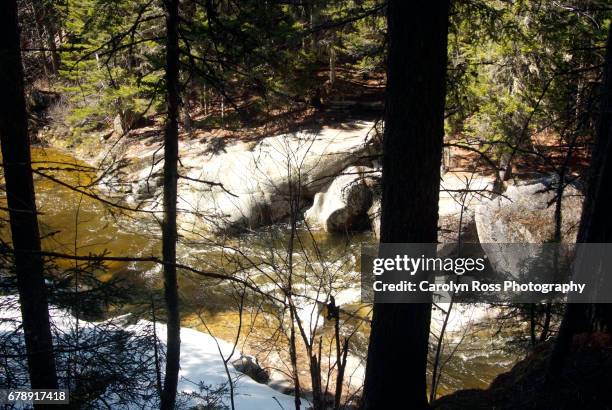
(526, 214)
(243, 185)
(344, 205)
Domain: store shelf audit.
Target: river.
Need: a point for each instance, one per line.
(71, 222)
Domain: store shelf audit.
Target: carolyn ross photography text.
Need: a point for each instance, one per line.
(476, 286)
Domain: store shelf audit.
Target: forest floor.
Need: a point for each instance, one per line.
(546, 154)
(353, 96)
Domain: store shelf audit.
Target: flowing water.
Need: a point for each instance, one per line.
(72, 221)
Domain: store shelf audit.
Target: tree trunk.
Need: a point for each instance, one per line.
(22, 205)
(169, 233)
(50, 29)
(313, 11)
(332, 62)
(40, 36)
(46, 23)
(412, 150)
(595, 224)
(187, 12)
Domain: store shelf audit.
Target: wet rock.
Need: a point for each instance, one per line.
(148, 187)
(249, 366)
(344, 205)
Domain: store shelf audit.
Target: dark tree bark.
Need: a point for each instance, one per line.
(595, 224)
(169, 233)
(22, 205)
(412, 151)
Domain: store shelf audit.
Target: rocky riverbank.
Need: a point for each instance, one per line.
(231, 185)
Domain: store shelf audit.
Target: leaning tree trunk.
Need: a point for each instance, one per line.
(22, 205)
(412, 151)
(595, 224)
(169, 234)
